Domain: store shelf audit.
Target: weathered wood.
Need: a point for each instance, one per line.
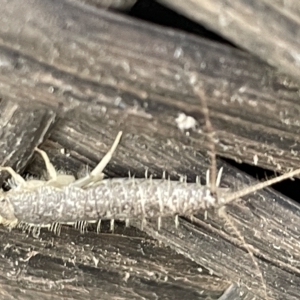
(268, 29)
(100, 61)
(101, 73)
(126, 264)
(267, 221)
(232, 293)
(269, 224)
(111, 4)
(21, 129)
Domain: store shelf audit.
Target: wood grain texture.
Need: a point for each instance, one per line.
(268, 221)
(111, 4)
(268, 29)
(101, 72)
(21, 129)
(102, 62)
(269, 224)
(126, 264)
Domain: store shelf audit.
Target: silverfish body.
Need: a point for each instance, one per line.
(61, 199)
(119, 199)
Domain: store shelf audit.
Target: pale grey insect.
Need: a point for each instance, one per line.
(34, 204)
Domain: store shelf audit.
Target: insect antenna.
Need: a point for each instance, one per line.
(260, 185)
(214, 179)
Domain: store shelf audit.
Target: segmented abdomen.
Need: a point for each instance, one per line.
(111, 199)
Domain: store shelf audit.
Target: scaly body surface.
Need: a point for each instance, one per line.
(64, 200)
(119, 199)
(61, 199)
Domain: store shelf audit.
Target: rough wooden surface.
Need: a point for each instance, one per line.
(111, 4)
(267, 220)
(115, 68)
(22, 128)
(123, 265)
(219, 251)
(100, 72)
(268, 28)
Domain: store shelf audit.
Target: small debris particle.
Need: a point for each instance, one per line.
(185, 122)
(255, 159)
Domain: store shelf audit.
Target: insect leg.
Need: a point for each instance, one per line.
(107, 157)
(218, 181)
(96, 174)
(52, 175)
(17, 178)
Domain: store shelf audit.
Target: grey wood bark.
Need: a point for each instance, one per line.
(267, 221)
(124, 265)
(21, 129)
(97, 60)
(100, 72)
(268, 29)
(111, 4)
